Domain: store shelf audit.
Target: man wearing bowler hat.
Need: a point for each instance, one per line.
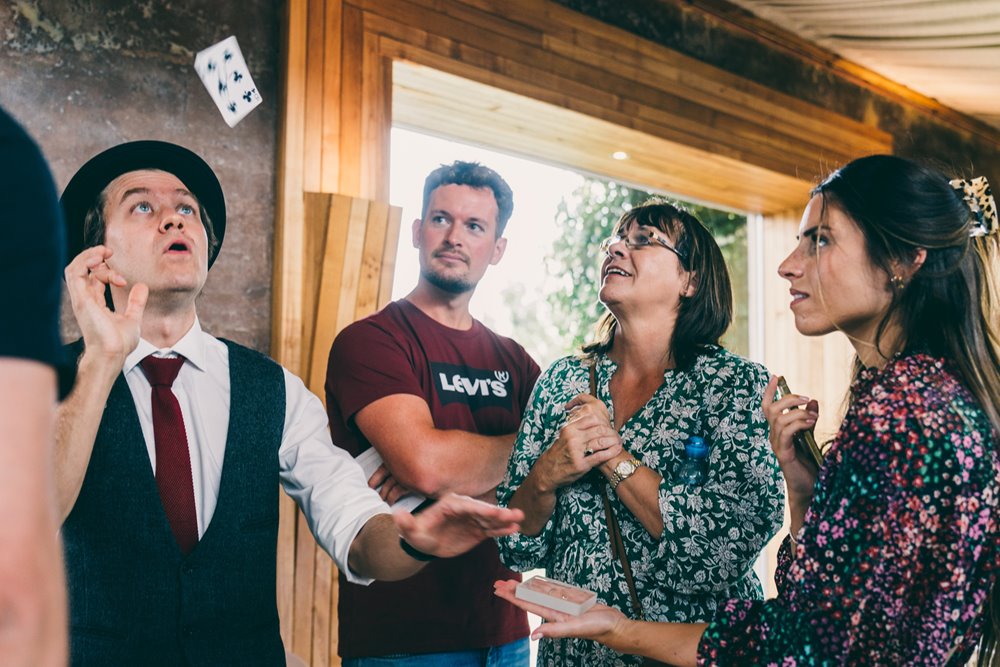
(171, 447)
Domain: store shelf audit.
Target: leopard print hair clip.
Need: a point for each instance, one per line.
(977, 195)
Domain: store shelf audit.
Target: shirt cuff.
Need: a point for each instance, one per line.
(346, 539)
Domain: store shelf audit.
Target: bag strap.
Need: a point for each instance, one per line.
(618, 549)
(614, 531)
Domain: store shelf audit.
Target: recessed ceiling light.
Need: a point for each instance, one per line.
(620, 155)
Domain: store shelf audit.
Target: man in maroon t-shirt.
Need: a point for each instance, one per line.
(439, 396)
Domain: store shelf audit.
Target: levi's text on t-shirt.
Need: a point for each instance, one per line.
(475, 387)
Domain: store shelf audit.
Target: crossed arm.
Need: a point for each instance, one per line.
(429, 460)
(350, 521)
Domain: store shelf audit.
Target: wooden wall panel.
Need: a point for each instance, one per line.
(444, 104)
(629, 81)
(347, 241)
(330, 134)
(332, 251)
(392, 233)
(350, 101)
(286, 328)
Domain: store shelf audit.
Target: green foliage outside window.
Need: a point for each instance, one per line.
(557, 318)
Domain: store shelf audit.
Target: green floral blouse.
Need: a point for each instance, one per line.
(712, 534)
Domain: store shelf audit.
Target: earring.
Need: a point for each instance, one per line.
(897, 282)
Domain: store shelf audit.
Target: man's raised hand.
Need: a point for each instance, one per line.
(105, 331)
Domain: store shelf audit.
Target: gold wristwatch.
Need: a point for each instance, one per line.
(624, 470)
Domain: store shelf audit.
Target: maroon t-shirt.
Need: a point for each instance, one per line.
(472, 380)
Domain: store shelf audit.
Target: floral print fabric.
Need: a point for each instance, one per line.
(899, 548)
(711, 534)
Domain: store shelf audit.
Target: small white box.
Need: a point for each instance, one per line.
(556, 595)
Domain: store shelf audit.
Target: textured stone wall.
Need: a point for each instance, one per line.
(83, 75)
(691, 32)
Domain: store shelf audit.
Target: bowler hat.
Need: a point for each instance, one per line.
(90, 180)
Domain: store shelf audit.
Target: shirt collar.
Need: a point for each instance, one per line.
(191, 346)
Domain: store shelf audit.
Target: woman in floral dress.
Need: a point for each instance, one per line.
(896, 545)
(660, 377)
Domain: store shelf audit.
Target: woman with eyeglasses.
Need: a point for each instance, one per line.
(660, 377)
(896, 548)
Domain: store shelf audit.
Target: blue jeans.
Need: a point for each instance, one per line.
(515, 654)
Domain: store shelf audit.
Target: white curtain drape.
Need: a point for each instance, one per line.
(945, 49)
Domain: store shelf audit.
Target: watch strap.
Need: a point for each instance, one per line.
(618, 478)
(414, 553)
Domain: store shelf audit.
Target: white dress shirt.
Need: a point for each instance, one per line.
(324, 480)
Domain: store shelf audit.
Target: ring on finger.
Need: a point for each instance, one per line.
(588, 452)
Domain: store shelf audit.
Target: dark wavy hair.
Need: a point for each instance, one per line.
(704, 316)
(476, 176)
(949, 306)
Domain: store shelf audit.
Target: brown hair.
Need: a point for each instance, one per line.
(704, 316)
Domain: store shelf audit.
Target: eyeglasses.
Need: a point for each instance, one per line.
(639, 239)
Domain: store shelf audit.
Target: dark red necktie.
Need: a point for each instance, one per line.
(173, 460)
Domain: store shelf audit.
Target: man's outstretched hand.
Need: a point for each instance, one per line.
(455, 524)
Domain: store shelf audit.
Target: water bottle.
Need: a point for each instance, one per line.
(695, 470)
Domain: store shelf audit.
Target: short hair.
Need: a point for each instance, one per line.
(476, 176)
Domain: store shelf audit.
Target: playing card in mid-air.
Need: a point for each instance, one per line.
(225, 75)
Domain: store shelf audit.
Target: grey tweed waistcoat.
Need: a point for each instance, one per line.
(134, 598)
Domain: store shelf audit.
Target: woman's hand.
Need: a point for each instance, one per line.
(786, 421)
(600, 621)
(671, 643)
(586, 441)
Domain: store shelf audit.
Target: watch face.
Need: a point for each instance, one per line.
(625, 468)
